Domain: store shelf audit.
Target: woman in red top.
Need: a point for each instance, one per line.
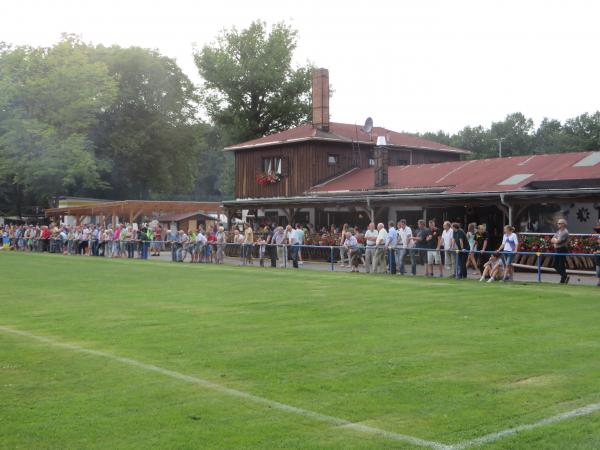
(211, 248)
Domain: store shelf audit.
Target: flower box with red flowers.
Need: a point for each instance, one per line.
(265, 179)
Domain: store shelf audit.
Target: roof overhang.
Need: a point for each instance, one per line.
(362, 199)
(343, 140)
(125, 207)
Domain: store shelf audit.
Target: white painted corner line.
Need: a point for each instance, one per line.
(486, 439)
(234, 392)
(492, 437)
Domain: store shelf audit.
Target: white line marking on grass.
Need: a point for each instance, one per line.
(235, 393)
(492, 437)
(488, 438)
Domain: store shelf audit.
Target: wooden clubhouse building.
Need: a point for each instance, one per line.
(331, 173)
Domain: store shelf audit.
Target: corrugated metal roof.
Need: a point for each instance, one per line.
(345, 132)
(483, 175)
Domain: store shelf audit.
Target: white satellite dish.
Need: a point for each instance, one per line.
(368, 127)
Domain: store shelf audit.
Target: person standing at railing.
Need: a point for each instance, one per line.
(471, 234)
(279, 239)
(404, 245)
(299, 238)
(481, 244)
(157, 238)
(200, 243)
(446, 250)
(86, 234)
(262, 249)
(130, 237)
(433, 254)
(238, 240)
(344, 255)
(294, 245)
(221, 242)
(62, 235)
(211, 239)
(108, 244)
(462, 245)
(116, 248)
(191, 246)
(379, 265)
(392, 243)
(370, 239)
(248, 242)
(420, 240)
(509, 248)
(561, 245)
(95, 240)
(70, 241)
(172, 241)
(144, 242)
(271, 251)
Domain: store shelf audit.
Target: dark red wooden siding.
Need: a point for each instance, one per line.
(307, 165)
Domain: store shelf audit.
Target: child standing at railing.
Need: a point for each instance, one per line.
(262, 247)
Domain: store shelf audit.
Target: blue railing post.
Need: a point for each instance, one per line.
(539, 267)
(331, 256)
(456, 264)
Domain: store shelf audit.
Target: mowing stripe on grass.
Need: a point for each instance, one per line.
(235, 393)
(492, 437)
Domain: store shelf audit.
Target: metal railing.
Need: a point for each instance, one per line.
(254, 250)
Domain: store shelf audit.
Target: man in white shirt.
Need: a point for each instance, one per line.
(404, 245)
(299, 238)
(447, 247)
(296, 240)
(380, 249)
(370, 238)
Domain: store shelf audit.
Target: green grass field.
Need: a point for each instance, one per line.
(443, 361)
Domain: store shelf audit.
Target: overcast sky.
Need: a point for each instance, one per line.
(411, 65)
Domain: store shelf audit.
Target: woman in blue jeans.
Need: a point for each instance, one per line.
(509, 248)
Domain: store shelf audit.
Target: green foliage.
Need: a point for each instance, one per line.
(147, 133)
(78, 119)
(476, 139)
(250, 87)
(517, 132)
(520, 137)
(584, 131)
(49, 101)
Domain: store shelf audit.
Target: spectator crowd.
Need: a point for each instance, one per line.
(446, 251)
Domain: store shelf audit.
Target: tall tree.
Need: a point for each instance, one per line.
(550, 137)
(250, 86)
(583, 131)
(48, 102)
(517, 134)
(147, 133)
(440, 136)
(476, 139)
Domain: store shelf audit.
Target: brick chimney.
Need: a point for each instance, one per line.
(381, 162)
(320, 99)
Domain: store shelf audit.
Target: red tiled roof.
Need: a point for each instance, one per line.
(483, 175)
(345, 132)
